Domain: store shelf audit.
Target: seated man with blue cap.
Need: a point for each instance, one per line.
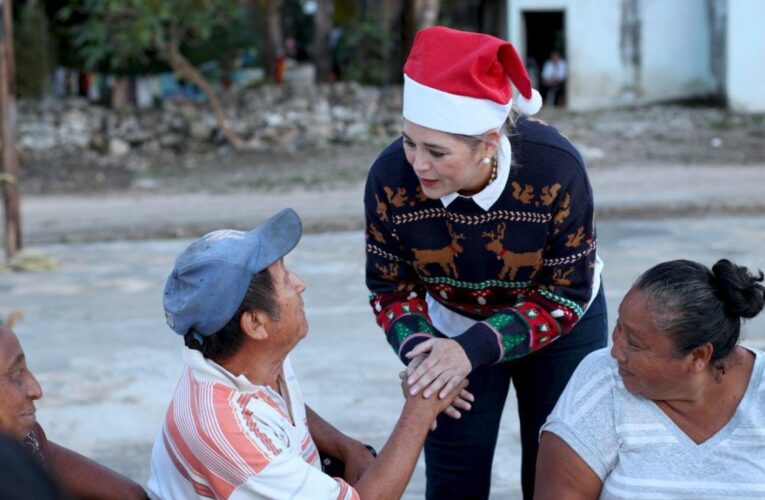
(237, 426)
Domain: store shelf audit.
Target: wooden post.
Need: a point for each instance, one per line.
(10, 161)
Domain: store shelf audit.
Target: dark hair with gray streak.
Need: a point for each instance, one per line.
(260, 296)
(695, 305)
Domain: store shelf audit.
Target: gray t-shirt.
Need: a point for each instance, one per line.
(638, 452)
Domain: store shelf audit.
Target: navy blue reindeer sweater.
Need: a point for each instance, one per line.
(523, 268)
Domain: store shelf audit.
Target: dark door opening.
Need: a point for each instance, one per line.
(545, 33)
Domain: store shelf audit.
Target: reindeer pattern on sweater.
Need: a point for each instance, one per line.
(523, 268)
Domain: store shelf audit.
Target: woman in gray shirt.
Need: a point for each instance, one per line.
(676, 409)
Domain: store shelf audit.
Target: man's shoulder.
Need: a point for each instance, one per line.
(253, 425)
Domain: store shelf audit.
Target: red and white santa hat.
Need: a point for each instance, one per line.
(460, 82)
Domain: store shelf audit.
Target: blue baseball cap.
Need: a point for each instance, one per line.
(211, 277)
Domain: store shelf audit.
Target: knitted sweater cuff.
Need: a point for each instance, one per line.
(408, 331)
(481, 345)
(410, 343)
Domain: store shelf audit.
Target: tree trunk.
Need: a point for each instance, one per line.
(392, 21)
(494, 18)
(121, 93)
(270, 13)
(184, 69)
(427, 13)
(321, 51)
(418, 15)
(10, 161)
(408, 27)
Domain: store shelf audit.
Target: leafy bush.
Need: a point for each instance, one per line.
(361, 54)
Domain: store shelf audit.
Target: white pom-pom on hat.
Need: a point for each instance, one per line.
(528, 106)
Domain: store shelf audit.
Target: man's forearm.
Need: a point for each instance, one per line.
(81, 477)
(392, 469)
(389, 474)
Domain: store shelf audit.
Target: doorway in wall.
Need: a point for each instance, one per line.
(545, 33)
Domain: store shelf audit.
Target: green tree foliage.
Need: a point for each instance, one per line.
(362, 54)
(269, 13)
(32, 45)
(117, 34)
(346, 13)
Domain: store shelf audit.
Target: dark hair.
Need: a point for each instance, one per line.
(695, 305)
(225, 342)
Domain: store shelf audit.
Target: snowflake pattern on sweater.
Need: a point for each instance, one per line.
(523, 268)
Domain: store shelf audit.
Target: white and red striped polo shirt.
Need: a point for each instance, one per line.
(224, 437)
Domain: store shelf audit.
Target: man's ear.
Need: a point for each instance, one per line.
(700, 357)
(253, 324)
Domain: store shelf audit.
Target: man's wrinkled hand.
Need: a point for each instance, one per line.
(458, 399)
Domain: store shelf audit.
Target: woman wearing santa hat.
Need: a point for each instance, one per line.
(481, 252)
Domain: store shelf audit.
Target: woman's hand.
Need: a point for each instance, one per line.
(444, 367)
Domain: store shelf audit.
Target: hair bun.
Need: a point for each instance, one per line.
(741, 292)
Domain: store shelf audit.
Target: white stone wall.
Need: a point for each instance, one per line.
(286, 117)
(674, 50)
(745, 56)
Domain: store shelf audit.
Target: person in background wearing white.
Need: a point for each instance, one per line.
(554, 75)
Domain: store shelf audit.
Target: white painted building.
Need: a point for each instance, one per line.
(625, 52)
(745, 56)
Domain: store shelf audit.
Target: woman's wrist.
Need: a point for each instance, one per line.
(410, 343)
(480, 345)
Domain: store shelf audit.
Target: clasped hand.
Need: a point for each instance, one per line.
(438, 366)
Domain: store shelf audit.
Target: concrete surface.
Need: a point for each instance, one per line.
(94, 332)
(646, 191)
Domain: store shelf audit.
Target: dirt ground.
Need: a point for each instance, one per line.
(671, 134)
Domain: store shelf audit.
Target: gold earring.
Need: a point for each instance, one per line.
(494, 165)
